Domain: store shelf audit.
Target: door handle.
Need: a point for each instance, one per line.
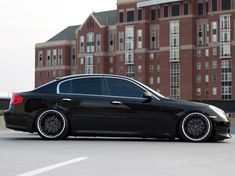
(116, 102)
(67, 100)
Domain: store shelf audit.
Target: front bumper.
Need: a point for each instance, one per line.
(222, 130)
(18, 122)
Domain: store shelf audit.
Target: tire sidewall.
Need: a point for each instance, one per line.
(62, 135)
(184, 135)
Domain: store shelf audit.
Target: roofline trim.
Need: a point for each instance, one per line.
(154, 2)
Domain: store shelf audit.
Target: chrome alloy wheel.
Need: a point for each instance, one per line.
(51, 124)
(196, 127)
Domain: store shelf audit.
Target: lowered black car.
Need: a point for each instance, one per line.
(108, 105)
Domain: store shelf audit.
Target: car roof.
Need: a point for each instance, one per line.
(91, 75)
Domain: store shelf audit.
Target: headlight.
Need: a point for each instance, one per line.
(218, 111)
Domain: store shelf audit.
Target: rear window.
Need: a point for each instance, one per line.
(49, 88)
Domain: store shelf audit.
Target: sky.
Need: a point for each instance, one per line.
(27, 22)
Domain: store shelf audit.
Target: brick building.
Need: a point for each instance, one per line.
(181, 48)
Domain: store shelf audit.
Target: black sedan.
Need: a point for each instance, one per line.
(116, 106)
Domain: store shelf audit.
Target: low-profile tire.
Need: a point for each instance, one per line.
(52, 124)
(195, 127)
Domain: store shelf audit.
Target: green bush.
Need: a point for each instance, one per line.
(1, 113)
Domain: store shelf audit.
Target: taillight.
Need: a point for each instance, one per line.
(16, 99)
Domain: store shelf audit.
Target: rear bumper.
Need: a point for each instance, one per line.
(222, 130)
(18, 122)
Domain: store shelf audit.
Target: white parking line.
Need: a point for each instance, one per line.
(52, 167)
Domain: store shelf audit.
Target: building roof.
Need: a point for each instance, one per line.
(106, 18)
(154, 2)
(67, 34)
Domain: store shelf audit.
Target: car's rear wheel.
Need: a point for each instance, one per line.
(195, 127)
(52, 124)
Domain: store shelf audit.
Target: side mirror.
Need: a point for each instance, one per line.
(147, 95)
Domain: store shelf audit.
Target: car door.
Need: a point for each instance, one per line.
(130, 113)
(84, 101)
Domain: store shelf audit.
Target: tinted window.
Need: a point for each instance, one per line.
(153, 14)
(166, 11)
(91, 86)
(200, 9)
(226, 4)
(121, 17)
(185, 9)
(175, 10)
(119, 87)
(49, 88)
(130, 16)
(214, 5)
(139, 15)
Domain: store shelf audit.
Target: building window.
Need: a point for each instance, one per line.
(98, 43)
(153, 14)
(48, 58)
(214, 31)
(226, 79)
(206, 91)
(207, 78)
(90, 42)
(175, 80)
(158, 68)
(214, 77)
(81, 44)
(121, 17)
(175, 10)
(207, 52)
(207, 7)
(111, 60)
(165, 11)
(199, 66)
(198, 79)
(158, 80)
(214, 64)
(111, 70)
(199, 91)
(226, 4)
(139, 38)
(139, 68)
(130, 16)
(89, 64)
(151, 68)
(202, 34)
(54, 60)
(206, 65)
(60, 59)
(121, 41)
(174, 41)
(129, 45)
(98, 60)
(214, 90)
(186, 9)
(214, 51)
(200, 8)
(130, 71)
(74, 60)
(111, 42)
(151, 80)
(214, 5)
(153, 38)
(225, 36)
(140, 13)
(40, 58)
(82, 61)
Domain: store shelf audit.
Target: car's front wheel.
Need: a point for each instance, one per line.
(195, 127)
(52, 124)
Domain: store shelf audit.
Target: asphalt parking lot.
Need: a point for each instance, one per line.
(24, 154)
